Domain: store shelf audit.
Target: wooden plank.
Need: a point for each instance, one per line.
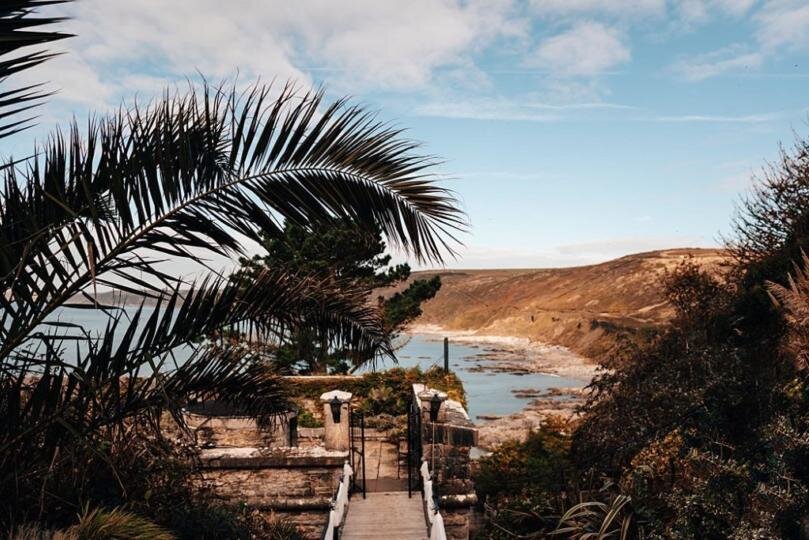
(389, 515)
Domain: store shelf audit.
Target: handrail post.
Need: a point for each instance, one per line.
(362, 431)
(409, 452)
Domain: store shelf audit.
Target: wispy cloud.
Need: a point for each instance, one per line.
(474, 111)
(783, 23)
(488, 256)
(518, 109)
(779, 25)
(616, 8)
(718, 119)
(726, 60)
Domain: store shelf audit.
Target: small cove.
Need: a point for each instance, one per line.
(489, 392)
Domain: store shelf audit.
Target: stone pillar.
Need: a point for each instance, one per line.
(446, 446)
(336, 433)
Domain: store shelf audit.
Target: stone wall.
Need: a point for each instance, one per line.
(296, 483)
(241, 431)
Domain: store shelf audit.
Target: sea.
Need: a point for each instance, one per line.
(489, 393)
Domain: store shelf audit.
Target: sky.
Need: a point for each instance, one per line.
(572, 131)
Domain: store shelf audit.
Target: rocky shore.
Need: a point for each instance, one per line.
(508, 354)
(520, 356)
(494, 430)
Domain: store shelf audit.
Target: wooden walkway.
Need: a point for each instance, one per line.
(389, 515)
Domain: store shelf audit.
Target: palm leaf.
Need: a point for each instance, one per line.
(17, 31)
(195, 174)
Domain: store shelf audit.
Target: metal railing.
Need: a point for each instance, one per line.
(414, 446)
(339, 505)
(356, 449)
(434, 519)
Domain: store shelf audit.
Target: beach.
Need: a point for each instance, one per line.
(508, 356)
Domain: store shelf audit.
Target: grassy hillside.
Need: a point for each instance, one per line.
(584, 308)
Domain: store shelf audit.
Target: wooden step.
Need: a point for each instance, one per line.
(388, 515)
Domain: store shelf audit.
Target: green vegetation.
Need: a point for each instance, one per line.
(308, 419)
(703, 431)
(382, 392)
(353, 254)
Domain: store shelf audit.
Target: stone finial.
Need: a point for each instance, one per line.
(336, 419)
(342, 395)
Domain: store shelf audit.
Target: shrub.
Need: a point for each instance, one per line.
(388, 391)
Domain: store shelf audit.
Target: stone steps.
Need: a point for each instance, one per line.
(390, 515)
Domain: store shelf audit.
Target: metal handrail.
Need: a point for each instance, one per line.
(357, 455)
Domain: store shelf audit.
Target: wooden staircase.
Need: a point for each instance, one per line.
(391, 515)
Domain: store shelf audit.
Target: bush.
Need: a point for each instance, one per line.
(703, 431)
(541, 463)
(522, 484)
(388, 391)
(307, 419)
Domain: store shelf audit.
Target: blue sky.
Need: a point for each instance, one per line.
(573, 131)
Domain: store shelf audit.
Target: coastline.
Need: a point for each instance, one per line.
(541, 357)
(509, 354)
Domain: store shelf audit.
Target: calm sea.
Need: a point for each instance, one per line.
(488, 393)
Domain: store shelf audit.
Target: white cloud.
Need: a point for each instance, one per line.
(701, 11)
(693, 11)
(628, 8)
(589, 48)
(123, 47)
(735, 7)
(729, 59)
(400, 44)
(784, 23)
(690, 11)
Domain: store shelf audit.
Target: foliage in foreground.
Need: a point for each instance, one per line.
(704, 431)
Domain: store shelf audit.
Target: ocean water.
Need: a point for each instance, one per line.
(487, 393)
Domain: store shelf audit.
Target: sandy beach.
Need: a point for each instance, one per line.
(517, 354)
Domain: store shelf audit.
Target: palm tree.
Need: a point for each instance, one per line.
(192, 175)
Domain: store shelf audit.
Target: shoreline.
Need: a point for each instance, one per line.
(510, 354)
(553, 360)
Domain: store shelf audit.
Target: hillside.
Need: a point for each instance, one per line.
(584, 308)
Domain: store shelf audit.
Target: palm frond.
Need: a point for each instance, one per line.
(189, 176)
(17, 31)
(198, 173)
(596, 520)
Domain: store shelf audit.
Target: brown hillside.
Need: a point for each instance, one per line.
(584, 308)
